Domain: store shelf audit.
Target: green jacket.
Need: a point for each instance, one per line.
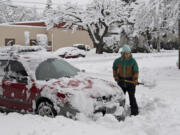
(125, 68)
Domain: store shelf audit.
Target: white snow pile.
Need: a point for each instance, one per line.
(159, 106)
(20, 48)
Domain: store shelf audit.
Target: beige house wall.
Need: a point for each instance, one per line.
(17, 33)
(58, 36)
(64, 38)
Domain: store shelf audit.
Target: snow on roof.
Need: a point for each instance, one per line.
(35, 23)
(38, 24)
(7, 25)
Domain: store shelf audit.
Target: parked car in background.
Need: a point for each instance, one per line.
(70, 52)
(49, 48)
(82, 47)
(41, 83)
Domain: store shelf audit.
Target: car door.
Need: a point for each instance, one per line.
(14, 84)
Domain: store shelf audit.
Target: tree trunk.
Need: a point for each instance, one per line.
(99, 48)
(158, 44)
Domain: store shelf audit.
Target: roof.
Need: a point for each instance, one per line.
(42, 24)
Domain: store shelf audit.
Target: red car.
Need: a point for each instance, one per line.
(47, 85)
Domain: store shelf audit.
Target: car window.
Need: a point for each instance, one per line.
(45, 71)
(54, 69)
(15, 69)
(3, 64)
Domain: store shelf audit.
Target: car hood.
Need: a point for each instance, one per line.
(82, 92)
(93, 87)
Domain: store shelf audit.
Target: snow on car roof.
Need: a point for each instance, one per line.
(69, 50)
(30, 56)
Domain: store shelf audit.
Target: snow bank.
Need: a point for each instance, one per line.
(159, 106)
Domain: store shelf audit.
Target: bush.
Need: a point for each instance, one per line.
(111, 48)
(82, 47)
(136, 49)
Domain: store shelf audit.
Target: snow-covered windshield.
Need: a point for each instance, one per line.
(54, 69)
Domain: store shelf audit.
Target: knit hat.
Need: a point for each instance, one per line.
(126, 48)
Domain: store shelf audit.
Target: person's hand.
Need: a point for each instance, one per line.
(136, 82)
(116, 79)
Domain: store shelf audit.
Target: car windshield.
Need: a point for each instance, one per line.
(54, 69)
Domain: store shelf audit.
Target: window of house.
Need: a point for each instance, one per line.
(33, 42)
(49, 43)
(9, 42)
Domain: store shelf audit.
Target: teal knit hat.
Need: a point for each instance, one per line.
(126, 48)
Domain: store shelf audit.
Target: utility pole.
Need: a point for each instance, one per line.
(179, 34)
(179, 42)
(158, 26)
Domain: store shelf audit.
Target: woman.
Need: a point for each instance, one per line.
(125, 68)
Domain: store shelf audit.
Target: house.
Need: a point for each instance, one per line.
(57, 37)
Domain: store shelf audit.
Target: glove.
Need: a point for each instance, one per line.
(116, 79)
(136, 82)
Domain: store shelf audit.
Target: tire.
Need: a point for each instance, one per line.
(45, 108)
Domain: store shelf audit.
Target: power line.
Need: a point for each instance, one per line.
(16, 6)
(40, 3)
(3, 1)
(13, 4)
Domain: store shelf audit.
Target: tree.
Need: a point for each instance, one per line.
(95, 18)
(48, 8)
(160, 16)
(13, 13)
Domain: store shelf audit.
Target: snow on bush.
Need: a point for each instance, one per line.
(42, 40)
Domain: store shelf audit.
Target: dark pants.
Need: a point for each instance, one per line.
(130, 88)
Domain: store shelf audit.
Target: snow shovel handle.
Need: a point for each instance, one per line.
(133, 82)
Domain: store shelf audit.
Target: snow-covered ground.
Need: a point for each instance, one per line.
(159, 105)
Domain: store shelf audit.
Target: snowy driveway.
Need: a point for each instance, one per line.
(159, 106)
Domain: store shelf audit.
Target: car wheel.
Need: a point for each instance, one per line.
(46, 108)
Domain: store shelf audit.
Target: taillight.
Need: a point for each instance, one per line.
(60, 95)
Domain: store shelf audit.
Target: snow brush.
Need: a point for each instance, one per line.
(145, 84)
